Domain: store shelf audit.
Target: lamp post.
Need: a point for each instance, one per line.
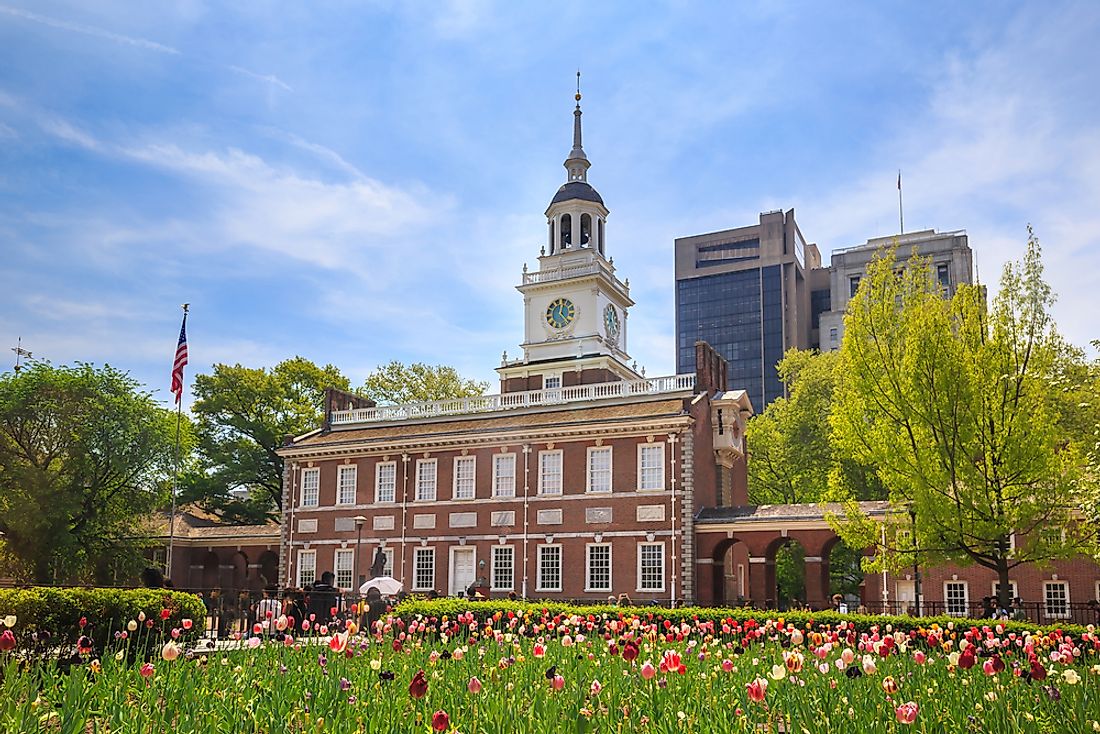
(359, 521)
(916, 564)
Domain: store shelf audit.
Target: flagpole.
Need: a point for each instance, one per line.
(901, 212)
(175, 475)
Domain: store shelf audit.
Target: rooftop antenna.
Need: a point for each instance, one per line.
(20, 352)
(901, 212)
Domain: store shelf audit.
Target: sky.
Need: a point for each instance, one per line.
(360, 182)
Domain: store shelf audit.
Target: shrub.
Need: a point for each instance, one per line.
(486, 609)
(48, 620)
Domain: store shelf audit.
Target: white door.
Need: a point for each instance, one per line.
(906, 596)
(462, 570)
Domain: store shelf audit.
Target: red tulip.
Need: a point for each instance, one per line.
(630, 652)
(907, 713)
(440, 721)
(165, 613)
(418, 688)
(7, 641)
(757, 690)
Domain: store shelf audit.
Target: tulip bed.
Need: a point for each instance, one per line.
(535, 670)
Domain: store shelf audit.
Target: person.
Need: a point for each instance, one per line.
(1016, 610)
(294, 606)
(837, 600)
(267, 609)
(988, 607)
(1094, 607)
(611, 600)
(323, 599)
(512, 595)
(376, 608)
(624, 600)
(378, 567)
(214, 611)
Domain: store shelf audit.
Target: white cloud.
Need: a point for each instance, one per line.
(88, 30)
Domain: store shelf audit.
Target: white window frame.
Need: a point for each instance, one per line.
(588, 548)
(390, 488)
(342, 485)
(1011, 585)
(503, 485)
(1046, 531)
(641, 587)
(543, 478)
(540, 582)
(1097, 591)
(422, 483)
(590, 472)
(468, 486)
(556, 376)
(344, 556)
(641, 477)
(311, 487)
(303, 579)
(429, 554)
(1046, 599)
(947, 599)
(498, 565)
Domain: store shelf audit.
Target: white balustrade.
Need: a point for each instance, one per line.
(513, 400)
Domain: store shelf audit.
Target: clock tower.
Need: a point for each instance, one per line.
(575, 308)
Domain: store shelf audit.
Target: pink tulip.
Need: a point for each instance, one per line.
(147, 670)
(648, 671)
(557, 682)
(474, 686)
(757, 690)
(253, 643)
(727, 665)
(907, 713)
(919, 657)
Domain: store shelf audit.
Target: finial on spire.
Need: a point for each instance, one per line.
(578, 88)
(577, 162)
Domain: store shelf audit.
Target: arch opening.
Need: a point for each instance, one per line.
(566, 237)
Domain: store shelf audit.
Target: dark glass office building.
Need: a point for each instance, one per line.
(744, 292)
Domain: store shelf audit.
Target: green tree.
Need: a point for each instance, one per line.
(951, 401)
(397, 383)
(85, 455)
(791, 449)
(242, 415)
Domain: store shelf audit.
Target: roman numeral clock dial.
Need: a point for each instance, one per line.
(560, 313)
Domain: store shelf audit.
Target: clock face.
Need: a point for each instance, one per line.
(560, 313)
(611, 324)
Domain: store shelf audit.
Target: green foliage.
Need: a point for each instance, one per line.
(952, 403)
(790, 574)
(242, 416)
(397, 383)
(48, 618)
(792, 454)
(84, 455)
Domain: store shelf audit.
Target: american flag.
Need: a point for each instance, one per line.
(181, 361)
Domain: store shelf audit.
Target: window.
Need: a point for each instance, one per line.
(423, 569)
(943, 275)
(651, 466)
(464, 478)
(504, 475)
(651, 567)
(997, 590)
(956, 598)
(343, 565)
(550, 472)
(425, 480)
(385, 482)
(307, 567)
(834, 339)
(1052, 537)
(504, 565)
(549, 569)
(598, 567)
(552, 382)
(853, 286)
(311, 487)
(599, 469)
(1056, 598)
(345, 485)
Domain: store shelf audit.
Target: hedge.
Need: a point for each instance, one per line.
(48, 619)
(483, 610)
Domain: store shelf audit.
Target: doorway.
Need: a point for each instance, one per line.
(463, 565)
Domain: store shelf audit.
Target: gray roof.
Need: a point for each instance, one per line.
(577, 190)
(772, 513)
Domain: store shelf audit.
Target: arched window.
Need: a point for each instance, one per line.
(551, 224)
(566, 231)
(586, 229)
(599, 234)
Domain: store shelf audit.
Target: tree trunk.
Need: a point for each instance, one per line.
(1004, 593)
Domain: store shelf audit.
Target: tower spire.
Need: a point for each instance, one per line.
(577, 163)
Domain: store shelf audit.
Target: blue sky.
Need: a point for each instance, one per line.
(357, 182)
